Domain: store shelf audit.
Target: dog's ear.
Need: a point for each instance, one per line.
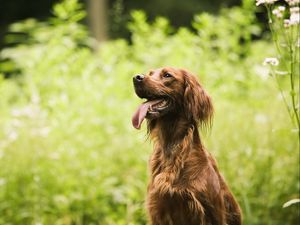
(197, 103)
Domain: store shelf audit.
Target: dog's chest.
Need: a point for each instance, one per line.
(175, 208)
(166, 174)
(175, 173)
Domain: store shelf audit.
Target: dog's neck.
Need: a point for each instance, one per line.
(171, 132)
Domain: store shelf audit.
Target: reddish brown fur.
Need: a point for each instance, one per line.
(186, 187)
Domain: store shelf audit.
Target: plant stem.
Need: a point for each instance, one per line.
(289, 40)
(283, 96)
(293, 93)
(273, 33)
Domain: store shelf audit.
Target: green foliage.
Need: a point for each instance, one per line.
(68, 152)
(285, 34)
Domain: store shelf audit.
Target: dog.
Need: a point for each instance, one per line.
(185, 187)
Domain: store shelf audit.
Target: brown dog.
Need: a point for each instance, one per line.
(186, 187)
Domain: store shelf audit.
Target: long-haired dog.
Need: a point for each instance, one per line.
(186, 187)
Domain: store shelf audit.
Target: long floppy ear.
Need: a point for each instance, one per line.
(197, 103)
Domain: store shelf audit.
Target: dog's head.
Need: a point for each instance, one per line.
(171, 91)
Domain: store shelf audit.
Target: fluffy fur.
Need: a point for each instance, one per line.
(186, 187)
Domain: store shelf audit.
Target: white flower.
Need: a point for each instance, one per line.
(271, 61)
(277, 13)
(260, 2)
(295, 15)
(286, 23)
(293, 2)
(294, 18)
(294, 9)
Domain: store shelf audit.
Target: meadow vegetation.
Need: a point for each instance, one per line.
(68, 152)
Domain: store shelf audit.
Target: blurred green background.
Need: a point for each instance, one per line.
(68, 152)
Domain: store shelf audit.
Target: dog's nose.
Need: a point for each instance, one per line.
(138, 78)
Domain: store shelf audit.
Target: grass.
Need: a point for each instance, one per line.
(68, 151)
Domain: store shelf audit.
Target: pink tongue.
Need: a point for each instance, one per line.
(141, 113)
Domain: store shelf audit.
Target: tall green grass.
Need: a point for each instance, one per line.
(68, 152)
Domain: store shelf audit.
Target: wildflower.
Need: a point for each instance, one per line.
(281, 8)
(271, 61)
(260, 2)
(293, 2)
(294, 18)
(286, 22)
(277, 13)
(294, 9)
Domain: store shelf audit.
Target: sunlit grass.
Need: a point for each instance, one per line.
(68, 151)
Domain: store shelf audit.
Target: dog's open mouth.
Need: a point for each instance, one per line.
(148, 109)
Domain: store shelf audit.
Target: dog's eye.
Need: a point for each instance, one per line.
(166, 75)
